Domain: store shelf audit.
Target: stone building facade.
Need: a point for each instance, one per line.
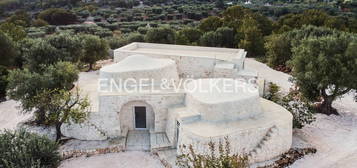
(175, 115)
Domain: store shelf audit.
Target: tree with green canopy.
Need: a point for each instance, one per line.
(62, 106)
(278, 46)
(188, 35)
(325, 68)
(252, 38)
(94, 49)
(7, 50)
(25, 84)
(211, 23)
(163, 35)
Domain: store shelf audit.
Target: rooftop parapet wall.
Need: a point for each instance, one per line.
(204, 58)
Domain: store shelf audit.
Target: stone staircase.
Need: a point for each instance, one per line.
(258, 149)
(159, 141)
(97, 129)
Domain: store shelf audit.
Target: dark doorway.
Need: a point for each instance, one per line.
(140, 117)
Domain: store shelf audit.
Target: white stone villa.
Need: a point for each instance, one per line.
(157, 118)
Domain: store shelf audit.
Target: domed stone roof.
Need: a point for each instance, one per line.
(223, 99)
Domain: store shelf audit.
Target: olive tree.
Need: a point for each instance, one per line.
(25, 84)
(62, 106)
(164, 35)
(94, 49)
(7, 50)
(326, 67)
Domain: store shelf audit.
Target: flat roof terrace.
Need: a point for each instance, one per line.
(226, 54)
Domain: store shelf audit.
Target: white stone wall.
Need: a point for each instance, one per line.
(245, 139)
(126, 115)
(203, 66)
(113, 104)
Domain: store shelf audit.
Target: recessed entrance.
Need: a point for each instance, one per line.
(140, 117)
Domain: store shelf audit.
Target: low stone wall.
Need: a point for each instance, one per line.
(90, 152)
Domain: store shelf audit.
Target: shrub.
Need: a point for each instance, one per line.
(142, 30)
(135, 37)
(116, 42)
(7, 50)
(210, 39)
(58, 16)
(301, 109)
(273, 92)
(164, 35)
(21, 149)
(39, 23)
(218, 158)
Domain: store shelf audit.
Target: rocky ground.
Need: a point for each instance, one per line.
(334, 137)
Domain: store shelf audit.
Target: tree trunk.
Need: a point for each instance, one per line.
(40, 117)
(90, 67)
(326, 107)
(58, 131)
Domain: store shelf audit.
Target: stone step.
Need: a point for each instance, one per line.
(269, 134)
(159, 141)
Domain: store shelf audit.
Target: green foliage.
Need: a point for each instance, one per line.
(7, 50)
(116, 42)
(188, 35)
(226, 35)
(278, 50)
(273, 92)
(14, 31)
(252, 40)
(68, 46)
(24, 85)
(302, 110)
(325, 67)
(3, 81)
(210, 23)
(39, 52)
(94, 49)
(278, 46)
(233, 16)
(163, 35)
(51, 49)
(143, 30)
(219, 157)
(20, 18)
(57, 16)
(316, 18)
(135, 37)
(210, 39)
(61, 106)
(39, 23)
(21, 149)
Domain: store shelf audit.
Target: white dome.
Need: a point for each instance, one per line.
(144, 70)
(137, 63)
(221, 99)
